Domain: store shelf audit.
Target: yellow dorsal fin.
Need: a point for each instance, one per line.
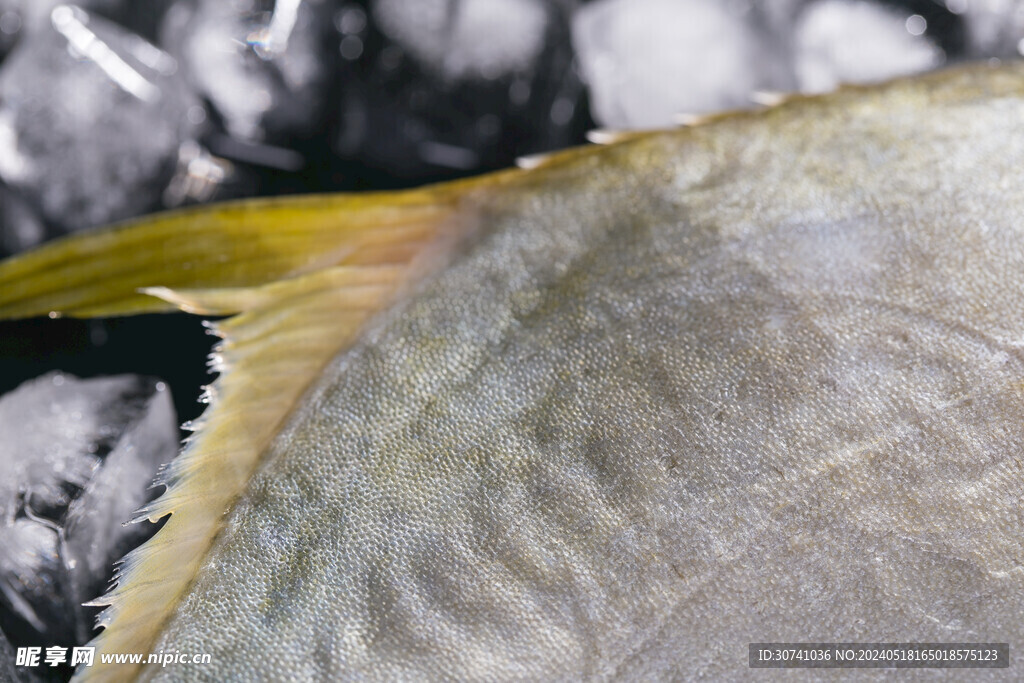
(239, 245)
(302, 276)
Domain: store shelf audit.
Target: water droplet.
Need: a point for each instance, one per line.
(10, 23)
(562, 111)
(196, 114)
(916, 25)
(351, 47)
(350, 19)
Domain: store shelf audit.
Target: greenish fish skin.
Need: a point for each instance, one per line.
(760, 380)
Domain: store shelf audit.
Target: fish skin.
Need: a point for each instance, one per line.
(754, 380)
(758, 380)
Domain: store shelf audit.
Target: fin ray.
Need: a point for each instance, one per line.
(240, 245)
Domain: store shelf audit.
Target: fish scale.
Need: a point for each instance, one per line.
(757, 380)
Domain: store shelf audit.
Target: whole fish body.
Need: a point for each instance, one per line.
(757, 380)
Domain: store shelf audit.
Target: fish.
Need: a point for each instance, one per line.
(616, 415)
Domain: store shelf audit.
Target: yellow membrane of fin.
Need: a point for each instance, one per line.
(236, 245)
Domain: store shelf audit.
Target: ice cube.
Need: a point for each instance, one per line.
(30, 15)
(858, 41)
(467, 39)
(76, 461)
(95, 522)
(91, 120)
(995, 28)
(649, 61)
(265, 66)
(35, 588)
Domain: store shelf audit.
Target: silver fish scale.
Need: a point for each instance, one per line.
(761, 381)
